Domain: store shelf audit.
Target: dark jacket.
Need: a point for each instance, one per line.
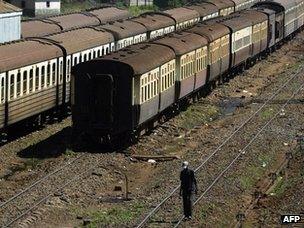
(188, 182)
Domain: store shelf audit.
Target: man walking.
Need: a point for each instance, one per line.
(188, 188)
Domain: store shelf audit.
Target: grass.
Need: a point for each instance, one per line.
(267, 114)
(137, 10)
(67, 7)
(249, 179)
(206, 210)
(69, 153)
(113, 216)
(198, 114)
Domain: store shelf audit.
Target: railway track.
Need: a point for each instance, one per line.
(209, 171)
(25, 201)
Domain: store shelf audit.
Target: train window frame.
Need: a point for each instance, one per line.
(48, 75)
(25, 81)
(18, 84)
(37, 78)
(30, 85)
(149, 85)
(11, 86)
(42, 78)
(54, 75)
(2, 89)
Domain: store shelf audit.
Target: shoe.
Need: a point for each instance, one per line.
(189, 217)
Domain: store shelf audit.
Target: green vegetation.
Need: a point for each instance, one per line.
(267, 114)
(198, 114)
(169, 3)
(74, 6)
(70, 153)
(113, 216)
(249, 179)
(206, 210)
(137, 10)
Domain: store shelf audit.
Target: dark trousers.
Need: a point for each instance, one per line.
(187, 202)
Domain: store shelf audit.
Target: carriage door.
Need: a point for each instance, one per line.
(102, 100)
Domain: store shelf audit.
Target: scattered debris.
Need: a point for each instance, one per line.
(151, 161)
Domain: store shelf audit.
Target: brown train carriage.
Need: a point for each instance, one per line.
(184, 17)
(188, 48)
(206, 10)
(225, 7)
(218, 37)
(240, 32)
(259, 30)
(157, 24)
(126, 32)
(108, 14)
(119, 92)
(54, 24)
(22, 94)
(39, 28)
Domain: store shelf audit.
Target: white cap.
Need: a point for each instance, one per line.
(185, 164)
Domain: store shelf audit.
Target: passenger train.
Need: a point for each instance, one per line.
(35, 72)
(126, 92)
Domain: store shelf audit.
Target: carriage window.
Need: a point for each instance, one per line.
(75, 61)
(12, 86)
(68, 70)
(37, 78)
(24, 81)
(53, 74)
(2, 90)
(48, 75)
(18, 84)
(149, 86)
(98, 53)
(167, 76)
(31, 81)
(90, 56)
(85, 58)
(42, 77)
(61, 72)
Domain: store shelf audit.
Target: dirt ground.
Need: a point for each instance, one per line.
(98, 199)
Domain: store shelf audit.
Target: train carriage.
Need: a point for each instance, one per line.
(241, 38)
(29, 79)
(205, 10)
(184, 17)
(126, 33)
(54, 24)
(244, 4)
(218, 37)
(191, 61)
(259, 30)
(225, 7)
(157, 24)
(39, 28)
(136, 82)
